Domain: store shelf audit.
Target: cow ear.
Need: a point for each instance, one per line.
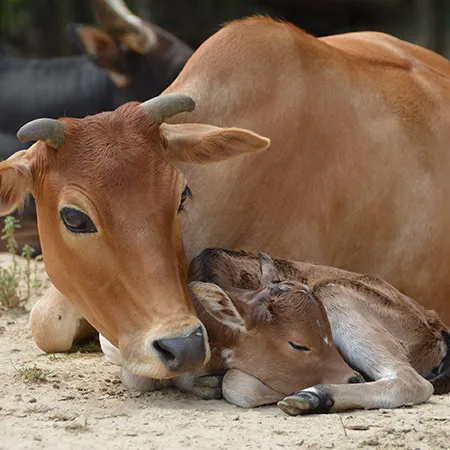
(217, 302)
(269, 273)
(199, 143)
(15, 181)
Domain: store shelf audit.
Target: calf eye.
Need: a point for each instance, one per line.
(301, 348)
(184, 196)
(76, 221)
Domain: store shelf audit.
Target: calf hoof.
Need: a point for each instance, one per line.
(208, 387)
(306, 402)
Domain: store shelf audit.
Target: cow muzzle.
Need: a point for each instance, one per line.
(180, 354)
(166, 354)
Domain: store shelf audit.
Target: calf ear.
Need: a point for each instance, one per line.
(269, 273)
(15, 181)
(218, 304)
(199, 143)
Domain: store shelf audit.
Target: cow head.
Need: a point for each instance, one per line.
(108, 199)
(279, 334)
(140, 58)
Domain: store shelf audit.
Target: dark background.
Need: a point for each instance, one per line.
(36, 28)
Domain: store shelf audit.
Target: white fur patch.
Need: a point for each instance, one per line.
(112, 353)
(227, 354)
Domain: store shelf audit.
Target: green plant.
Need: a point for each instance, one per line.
(27, 253)
(33, 373)
(11, 277)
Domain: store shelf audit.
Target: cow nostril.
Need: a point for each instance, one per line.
(163, 352)
(181, 353)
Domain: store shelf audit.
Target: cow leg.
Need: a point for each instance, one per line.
(371, 349)
(56, 324)
(246, 391)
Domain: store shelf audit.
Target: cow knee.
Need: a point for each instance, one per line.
(56, 324)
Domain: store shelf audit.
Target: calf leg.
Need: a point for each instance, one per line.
(56, 324)
(405, 387)
(369, 348)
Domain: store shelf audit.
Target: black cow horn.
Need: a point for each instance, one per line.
(50, 131)
(165, 106)
(118, 21)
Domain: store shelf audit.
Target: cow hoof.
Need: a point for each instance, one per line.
(301, 403)
(208, 387)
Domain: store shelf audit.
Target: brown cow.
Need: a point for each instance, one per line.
(358, 168)
(276, 328)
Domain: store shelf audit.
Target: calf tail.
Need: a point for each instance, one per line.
(441, 381)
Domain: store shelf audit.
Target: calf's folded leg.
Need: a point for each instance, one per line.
(405, 387)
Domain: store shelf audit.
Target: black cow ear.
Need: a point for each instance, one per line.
(102, 49)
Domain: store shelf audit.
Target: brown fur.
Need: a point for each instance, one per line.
(358, 168)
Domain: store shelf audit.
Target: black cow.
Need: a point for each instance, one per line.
(130, 60)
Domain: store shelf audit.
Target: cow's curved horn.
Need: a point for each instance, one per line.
(117, 20)
(50, 131)
(168, 105)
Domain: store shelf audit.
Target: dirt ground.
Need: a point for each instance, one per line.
(80, 403)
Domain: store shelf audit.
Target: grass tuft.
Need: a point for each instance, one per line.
(11, 278)
(33, 373)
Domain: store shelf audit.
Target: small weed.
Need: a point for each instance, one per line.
(33, 373)
(11, 295)
(52, 357)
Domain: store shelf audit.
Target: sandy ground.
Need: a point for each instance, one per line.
(81, 404)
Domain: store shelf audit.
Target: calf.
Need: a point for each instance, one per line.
(299, 325)
(282, 327)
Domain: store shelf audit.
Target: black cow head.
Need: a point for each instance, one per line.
(140, 58)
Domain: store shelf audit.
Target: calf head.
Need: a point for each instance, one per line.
(140, 58)
(108, 199)
(279, 334)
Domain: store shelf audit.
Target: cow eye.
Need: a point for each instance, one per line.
(76, 221)
(184, 196)
(298, 347)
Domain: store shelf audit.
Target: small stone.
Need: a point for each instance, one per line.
(32, 400)
(37, 438)
(10, 322)
(357, 427)
(236, 418)
(130, 434)
(371, 442)
(55, 386)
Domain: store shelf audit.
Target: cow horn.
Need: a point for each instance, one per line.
(118, 21)
(50, 131)
(165, 106)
